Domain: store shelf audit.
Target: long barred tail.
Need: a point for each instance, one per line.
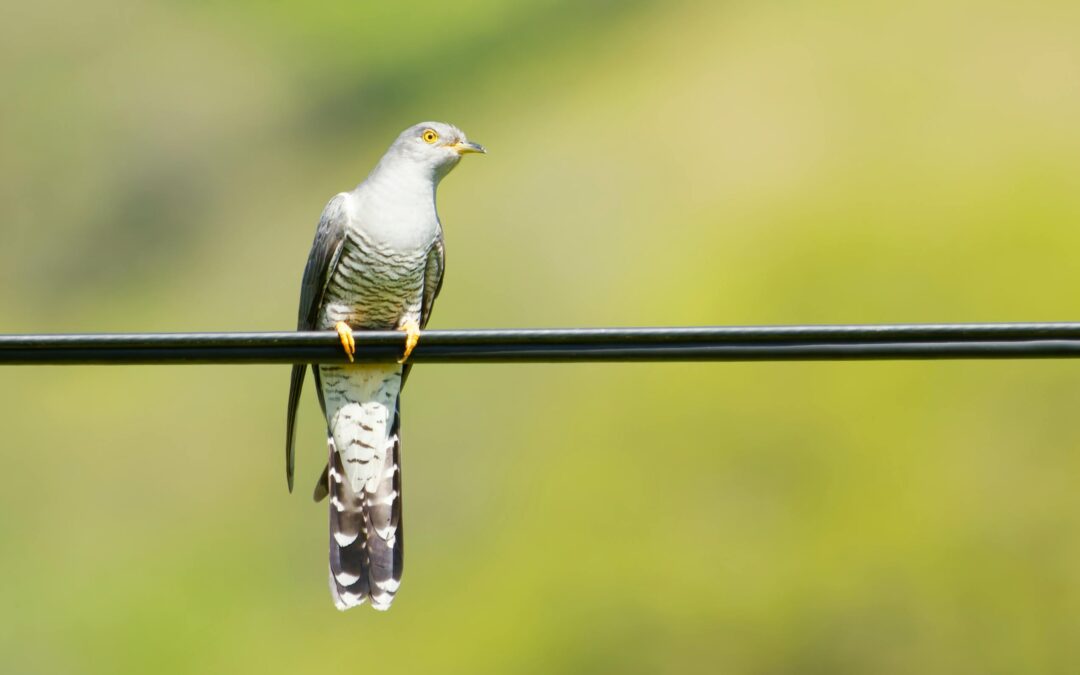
(366, 532)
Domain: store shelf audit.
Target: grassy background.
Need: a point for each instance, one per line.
(163, 165)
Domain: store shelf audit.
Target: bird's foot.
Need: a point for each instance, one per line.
(348, 342)
(412, 336)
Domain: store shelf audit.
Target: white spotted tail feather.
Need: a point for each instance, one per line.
(364, 484)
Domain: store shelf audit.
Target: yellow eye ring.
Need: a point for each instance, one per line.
(429, 136)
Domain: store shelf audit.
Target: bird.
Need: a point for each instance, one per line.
(376, 263)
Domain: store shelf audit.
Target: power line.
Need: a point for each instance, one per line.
(731, 343)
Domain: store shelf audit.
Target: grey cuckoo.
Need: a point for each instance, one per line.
(376, 263)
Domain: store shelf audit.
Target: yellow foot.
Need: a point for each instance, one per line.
(412, 336)
(346, 337)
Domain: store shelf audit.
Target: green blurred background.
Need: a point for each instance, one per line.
(162, 167)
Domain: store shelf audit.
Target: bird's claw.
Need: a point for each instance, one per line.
(412, 336)
(348, 342)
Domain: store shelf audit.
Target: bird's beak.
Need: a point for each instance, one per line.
(466, 147)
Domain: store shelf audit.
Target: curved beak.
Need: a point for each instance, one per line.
(466, 147)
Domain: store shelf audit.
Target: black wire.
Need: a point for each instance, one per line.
(733, 343)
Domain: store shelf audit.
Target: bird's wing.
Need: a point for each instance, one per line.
(324, 256)
(433, 277)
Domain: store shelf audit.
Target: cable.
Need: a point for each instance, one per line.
(733, 343)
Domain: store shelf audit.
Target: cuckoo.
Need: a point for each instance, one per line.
(376, 264)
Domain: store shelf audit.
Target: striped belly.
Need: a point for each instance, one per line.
(374, 288)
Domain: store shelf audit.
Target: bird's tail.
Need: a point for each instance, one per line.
(364, 484)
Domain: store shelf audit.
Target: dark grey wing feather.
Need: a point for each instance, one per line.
(325, 252)
(322, 487)
(433, 278)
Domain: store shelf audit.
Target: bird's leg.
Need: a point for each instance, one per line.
(346, 337)
(412, 336)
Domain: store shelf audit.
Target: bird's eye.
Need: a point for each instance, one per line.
(429, 136)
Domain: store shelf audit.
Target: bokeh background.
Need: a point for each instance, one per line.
(162, 167)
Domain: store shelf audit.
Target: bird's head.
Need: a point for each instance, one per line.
(433, 146)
